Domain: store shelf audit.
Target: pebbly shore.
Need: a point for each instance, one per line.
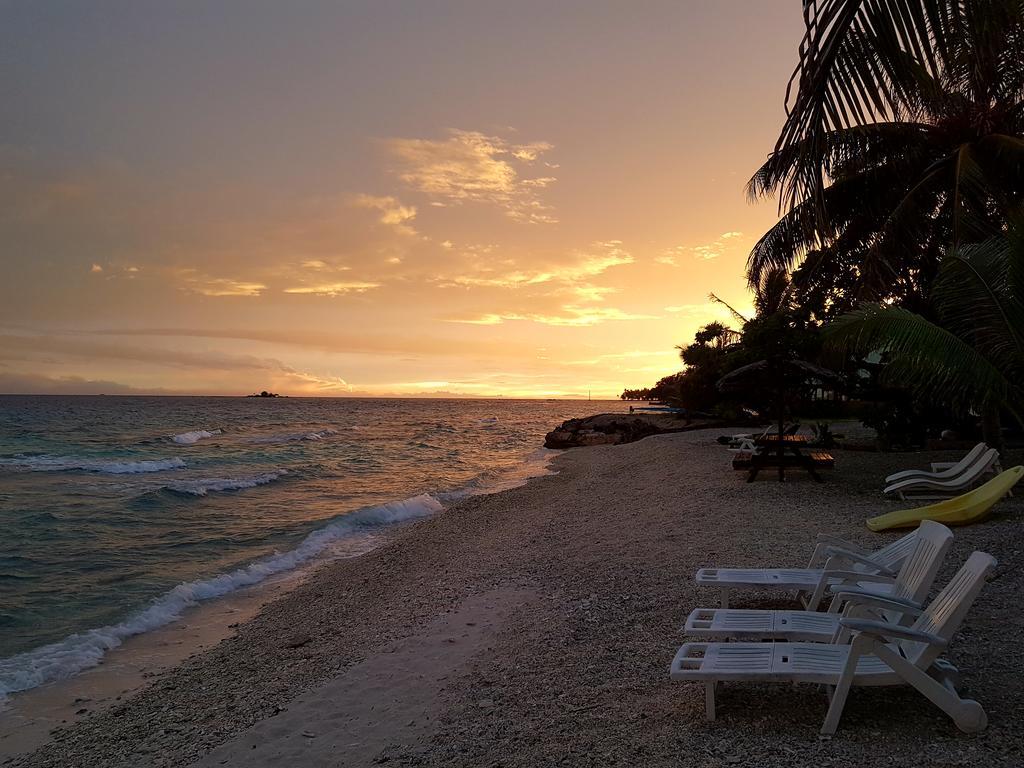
(535, 627)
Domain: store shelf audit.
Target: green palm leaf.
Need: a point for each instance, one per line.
(930, 360)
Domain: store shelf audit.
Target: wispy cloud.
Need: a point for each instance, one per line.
(392, 212)
(557, 293)
(471, 166)
(334, 341)
(195, 281)
(575, 271)
(334, 289)
(704, 252)
(12, 382)
(571, 316)
(37, 347)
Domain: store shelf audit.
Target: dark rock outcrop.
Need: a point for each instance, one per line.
(615, 428)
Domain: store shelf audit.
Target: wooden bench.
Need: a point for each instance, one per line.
(742, 461)
(821, 459)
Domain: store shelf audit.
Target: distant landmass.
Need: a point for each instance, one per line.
(264, 393)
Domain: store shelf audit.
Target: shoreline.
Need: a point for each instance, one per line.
(535, 625)
(28, 717)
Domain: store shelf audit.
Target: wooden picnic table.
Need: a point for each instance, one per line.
(791, 453)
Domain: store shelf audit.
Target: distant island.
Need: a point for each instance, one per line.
(264, 393)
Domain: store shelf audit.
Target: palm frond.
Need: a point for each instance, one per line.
(974, 295)
(926, 358)
(732, 310)
(865, 61)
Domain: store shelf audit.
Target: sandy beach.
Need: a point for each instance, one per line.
(535, 627)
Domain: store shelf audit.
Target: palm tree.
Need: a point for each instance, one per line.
(903, 139)
(864, 62)
(973, 355)
(773, 294)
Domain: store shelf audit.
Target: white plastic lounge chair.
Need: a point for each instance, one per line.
(941, 488)
(747, 442)
(833, 558)
(879, 653)
(943, 471)
(996, 469)
(910, 588)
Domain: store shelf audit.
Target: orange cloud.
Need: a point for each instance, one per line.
(333, 289)
(392, 212)
(197, 282)
(471, 166)
(574, 316)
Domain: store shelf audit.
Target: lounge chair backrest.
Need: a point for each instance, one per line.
(947, 611)
(893, 555)
(920, 569)
(980, 466)
(968, 460)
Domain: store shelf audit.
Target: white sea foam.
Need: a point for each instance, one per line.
(71, 463)
(188, 438)
(204, 485)
(83, 650)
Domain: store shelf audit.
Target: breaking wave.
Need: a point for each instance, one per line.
(82, 650)
(188, 438)
(204, 486)
(72, 464)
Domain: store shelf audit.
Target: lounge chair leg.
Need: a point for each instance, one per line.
(709, 699)
(842, 689)
(967, 714)
(814, 600)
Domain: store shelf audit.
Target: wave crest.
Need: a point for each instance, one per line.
(72, 464)
(188, 438)
(203, 486)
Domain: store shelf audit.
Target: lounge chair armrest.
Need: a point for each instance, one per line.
(863, 598)
(885, 631)
(823, 542)
(836, 541)
(938, 466)
(850, 579)
(837, 555)
(908, 473)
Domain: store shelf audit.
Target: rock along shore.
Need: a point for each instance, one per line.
(618, 428)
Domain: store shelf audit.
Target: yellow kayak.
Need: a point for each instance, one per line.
(971, 507)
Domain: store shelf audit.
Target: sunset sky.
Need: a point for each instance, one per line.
(376, 198)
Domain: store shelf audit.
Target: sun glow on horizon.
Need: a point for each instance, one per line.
(549, 224)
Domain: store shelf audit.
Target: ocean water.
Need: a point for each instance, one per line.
(119, 513)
